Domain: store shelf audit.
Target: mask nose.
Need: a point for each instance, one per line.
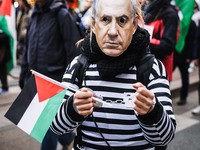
(113, 29)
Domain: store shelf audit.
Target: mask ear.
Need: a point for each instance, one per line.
(93, 25)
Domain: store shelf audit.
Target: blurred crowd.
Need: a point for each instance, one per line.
(48, 30)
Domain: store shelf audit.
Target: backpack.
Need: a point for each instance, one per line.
(144, 67)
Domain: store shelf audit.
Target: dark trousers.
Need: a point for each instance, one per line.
(51, 139)
(183, 67)
(160, 147)
(199, 83)
(3, 76)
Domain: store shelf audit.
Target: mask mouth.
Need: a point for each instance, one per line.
(113, 43)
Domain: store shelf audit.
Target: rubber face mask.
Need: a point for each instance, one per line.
(114, 26)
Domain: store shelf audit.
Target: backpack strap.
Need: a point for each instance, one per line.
(144, 68)
(79, 73)
(80, 70)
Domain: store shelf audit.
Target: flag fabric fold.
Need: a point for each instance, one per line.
(186, 8)
(36, 106)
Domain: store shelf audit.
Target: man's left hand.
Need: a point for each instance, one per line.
(144, 99)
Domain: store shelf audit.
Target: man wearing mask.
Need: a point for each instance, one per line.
(113, 48)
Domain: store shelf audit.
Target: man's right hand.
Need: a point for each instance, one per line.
(84, 102)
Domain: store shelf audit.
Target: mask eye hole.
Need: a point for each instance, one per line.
(122, 20)
(104, 19)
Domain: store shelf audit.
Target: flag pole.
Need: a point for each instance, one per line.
(51, 80)
(62, 85)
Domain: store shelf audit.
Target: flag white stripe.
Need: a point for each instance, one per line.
(31, 115)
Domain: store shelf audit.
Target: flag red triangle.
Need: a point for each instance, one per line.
(5, 7)
(46, 89)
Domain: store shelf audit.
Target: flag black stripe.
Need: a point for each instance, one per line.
(22, 102)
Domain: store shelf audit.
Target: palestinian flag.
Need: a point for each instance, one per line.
(7, 25)
(36, 106)
(186, 11)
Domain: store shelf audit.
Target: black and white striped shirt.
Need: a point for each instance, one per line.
(119, 125)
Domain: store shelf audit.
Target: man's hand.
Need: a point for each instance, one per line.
(84, 102)
(144, 99)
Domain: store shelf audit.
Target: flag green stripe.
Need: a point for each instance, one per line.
(187, 9)
(4, 28)
(48, 114)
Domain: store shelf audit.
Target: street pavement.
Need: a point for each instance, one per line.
(188, 126)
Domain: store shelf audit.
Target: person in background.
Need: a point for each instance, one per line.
(182, 61)
(196, 15)
(5, 56)
(113, 48)
(73, 7)
(49, 47)
(196, 111)
(86, 13)
(164, 18)
(142, 3)
(195, 18)
(21, 26)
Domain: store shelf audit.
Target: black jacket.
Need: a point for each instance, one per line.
(5, 52)
(196, 53)
(164, 18)
(188, 50)
(50, 41)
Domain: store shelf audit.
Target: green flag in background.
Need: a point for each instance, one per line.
(186, 11)
(7, 25)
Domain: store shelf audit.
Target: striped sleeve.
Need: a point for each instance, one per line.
(67, 119)
(159, 125)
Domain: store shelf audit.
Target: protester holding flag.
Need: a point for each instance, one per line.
(113, 48)
(186, 10)
(182, 61)
(49, 47)
(183, 58)
(8, 41)
(7, 25)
